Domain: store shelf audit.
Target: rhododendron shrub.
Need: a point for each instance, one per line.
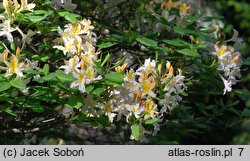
(63, 64)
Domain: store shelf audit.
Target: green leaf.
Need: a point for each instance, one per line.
(62, 13)
(98, 90)
(151, 121)
(246, 112)
(246, 61)
(64, 77)
(106, 59)
(13, 46)
(46, 69)
(119, 38)
(2, 48)
(208, 30)
(71, 17)
(18, 83)
(105, 44)
(38, 15)
(136, 131)
(115, 77)
(36, 19)
(74, 102)
(177, 42)
(184, 94)
(120, 62)
(112, 83)
(179, 30)
(147, 42)
(9, 111)
(4, 86)
(42, 12)
(188, 52)
(49, 77)
(89, 88)
(38, 108)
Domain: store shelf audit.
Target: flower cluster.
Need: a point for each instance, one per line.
(140, 96)
(141, 93)
(13, 66)
(6, 30)
(12, 6)
(183, 8)
(229, 61)
(78, 44)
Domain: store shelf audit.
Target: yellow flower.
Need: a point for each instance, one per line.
(236, 58)
(71, 65)
(222, 50)
(86, 25)
(121, 68)
(14, 67)
(169, 68)
(76, 29)
(9, 8)
(80, 82)
(68, 46)
(4, 56)
(107, 107)
(150, 109)
(147, 87)
(86, 62)
(134, 109)
(25, 6)
(89, 50)
(184, 8)
(168, 4)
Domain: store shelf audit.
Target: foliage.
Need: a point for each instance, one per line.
(130, 66)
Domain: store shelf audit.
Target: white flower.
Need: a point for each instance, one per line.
(227, 84)
(121, 109)
(37, 76)
(6, 30)
(156, 128)
(68, 46)
(25, 91)
(108, 111)
(71, 65)
(147, 88)
(221, 51)
(9, 8)
(184, 9)
(91, 75)
(134, 110)
(150, 109)
(80, 82)
(87, 27)
(28, 38)
(148, 66)
(235, 38)
(77, 39)
(229, 63)
(25, 6)
(30, 65)
(14, 67)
